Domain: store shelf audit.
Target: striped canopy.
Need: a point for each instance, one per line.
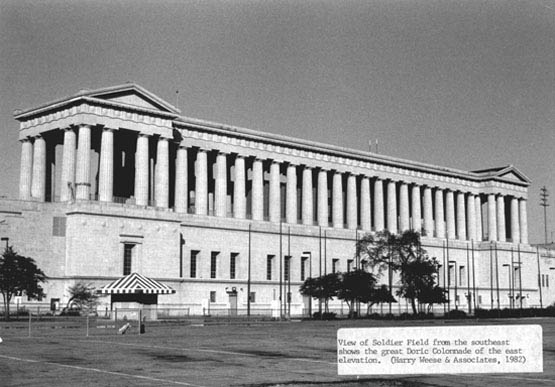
(136, 283)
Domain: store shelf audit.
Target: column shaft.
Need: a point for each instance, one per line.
(501, 231)
(404, 219)
(239, 198)
(106, 178)
(161, 186)
(523, 222)
(67, 180)
(365, 204)
(291, 209)
(323, 214)
(38, 184)
(391, 207)
(83, 172)
(220, 186)
(492, 218)
(25, 177)
(141, 170)
(461, 216)
(439, 219)
(428, 213)
(416, 209)
(181, 180)
(450, 214)
(478, 205)
(337, 204)
(515, 226)
(275, 197)
(308, 200)
(471, 221)
(257, 203)
(378, 205)
(352, 218)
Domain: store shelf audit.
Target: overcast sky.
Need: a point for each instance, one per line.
(464, 84)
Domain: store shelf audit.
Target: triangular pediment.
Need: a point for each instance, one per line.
(508, 173)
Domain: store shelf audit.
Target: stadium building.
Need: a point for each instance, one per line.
(116, 181)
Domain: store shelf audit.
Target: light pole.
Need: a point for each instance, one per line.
(510, 284)
(309, 253)
(454, 266)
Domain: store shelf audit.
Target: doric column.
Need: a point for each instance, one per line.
(25, 177)
(67, 180)
(378, 205)
(439, 220)
(523, 221)
(38, 188)
(404, 223)
(428, 212)
(83, 172)
(239, 198)
(161, 185)
(220, 186)
(141, 170)
(257, 202)
(275, 197)
(515, 226)
(365, 204)
(308, 206)
(106, 178)
(450, 214)
(352, 218)
(478, 205)
(291, 194)
(181, 180)
(492, 218)
(471, 221)
(461, 216)
(337, 200)
(501, 231)
(201, 183)
(323, 214)
(391, 207)
(416, 209)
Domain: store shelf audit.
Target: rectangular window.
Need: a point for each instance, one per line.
(349, 265)
(269, 264)
(479, 299)
(452, 275)
(334, 265)
(547, 280)
(303, 268)
(232, 263)
(253, 296)
(212, 296)
(462, 276)
(213, 263)
(286, 268)
(194, 255)
(59, 226)
(127, 258)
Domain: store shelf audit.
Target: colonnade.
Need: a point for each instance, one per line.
(354, 201)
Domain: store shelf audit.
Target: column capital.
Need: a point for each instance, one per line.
(83, 125)
(305, 166)
(108, 129)
(276, 161)
(141, 134)
(240, 156)
(222, 153)
(25, 139)
(292, 164)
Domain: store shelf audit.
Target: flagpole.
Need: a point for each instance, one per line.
(280, 273)
(249, 276)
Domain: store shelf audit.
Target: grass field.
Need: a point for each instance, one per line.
(264, 354)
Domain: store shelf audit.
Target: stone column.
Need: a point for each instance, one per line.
(220, 186)
(365, 204)
(275, 197)
(291, 210)
(501, 231)
(492, 219)
(141, 170)
(83, 172)
(523, 222)
(515, 226)
(67, 183)
(38, 182)
(352, 215)
(439, 220)
(471, 221)
(416, 209)
(461, 216)
(106, 178)
(428, 213)
(404, 219)
(257, 202)
(337, 203)
(378, 205)
(239, 198)
(25, 177)
(161, 186)
(181, 179)
(450, 214)
(478, 205)
(308, 206)
(201, 182)
(323, 214)
(391, 207)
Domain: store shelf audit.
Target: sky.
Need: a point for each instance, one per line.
(462, 84)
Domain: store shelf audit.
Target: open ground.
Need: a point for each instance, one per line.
(256, 354)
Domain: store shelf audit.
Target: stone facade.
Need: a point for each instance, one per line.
(119, 168)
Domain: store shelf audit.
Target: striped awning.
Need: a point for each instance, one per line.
(136, 283)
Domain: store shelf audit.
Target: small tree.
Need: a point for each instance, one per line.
(18, 275)
(432, 295)
(323, 288)
(417, 277)
(357, 285)
(380, 295)
(82, 296)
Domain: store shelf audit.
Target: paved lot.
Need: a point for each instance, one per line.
(284, 354)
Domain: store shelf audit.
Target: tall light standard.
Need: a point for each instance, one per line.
(309, 253)
(510, 284)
